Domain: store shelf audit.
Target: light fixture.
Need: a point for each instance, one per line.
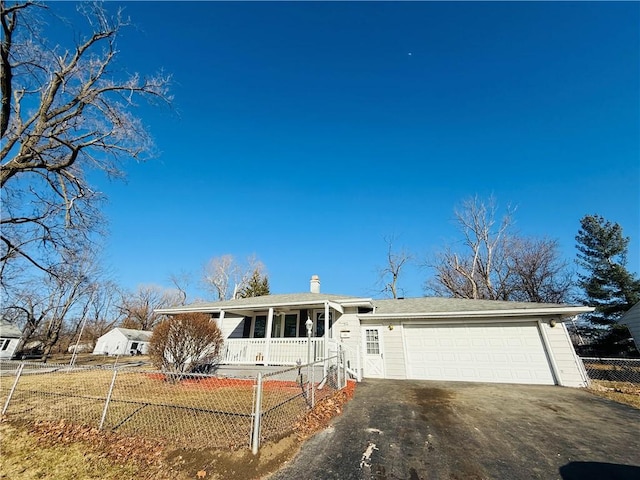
(552, 322)
(309, 325)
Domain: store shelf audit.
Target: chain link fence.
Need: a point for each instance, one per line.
(613, 370)
(188, 410)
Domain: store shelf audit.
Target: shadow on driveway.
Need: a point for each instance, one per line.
(419, 430)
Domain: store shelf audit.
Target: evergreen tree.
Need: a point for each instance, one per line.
(608, 285)
(257, 285)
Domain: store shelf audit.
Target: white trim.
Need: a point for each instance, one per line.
(267, 335)
(480, 313)
(263, 306)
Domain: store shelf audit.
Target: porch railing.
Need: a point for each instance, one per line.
(275, 351)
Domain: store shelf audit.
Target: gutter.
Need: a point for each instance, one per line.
(563, 312)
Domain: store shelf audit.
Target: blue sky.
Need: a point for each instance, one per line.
(305, 133)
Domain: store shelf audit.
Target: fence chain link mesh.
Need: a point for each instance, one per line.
(611, 371)
(189, 410)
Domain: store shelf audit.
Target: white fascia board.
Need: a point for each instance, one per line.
(253, 308)
(563, 312)
(357, 302)
(336, 306)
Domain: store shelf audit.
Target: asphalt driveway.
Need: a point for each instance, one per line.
(419, 430)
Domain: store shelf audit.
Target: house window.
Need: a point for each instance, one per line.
(291, 325)
(134, 345)
(372, 342)
(260, 326)
(320, 323)
(5, 343)
(276, 327)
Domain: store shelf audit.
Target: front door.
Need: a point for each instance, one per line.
(373, 352)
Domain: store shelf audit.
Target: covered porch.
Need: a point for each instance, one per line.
(274, 351)
(286, 335)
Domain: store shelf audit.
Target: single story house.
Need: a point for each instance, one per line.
(123, 341)
(428, 338)
(632, 320)
(10, 339)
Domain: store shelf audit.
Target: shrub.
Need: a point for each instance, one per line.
(185, 342)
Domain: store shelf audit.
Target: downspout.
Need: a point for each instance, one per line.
(267, 336)
(547, 348)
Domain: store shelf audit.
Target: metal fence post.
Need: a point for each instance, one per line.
(13, 388)
(106, 404)
(257, 416)
(339, 369)
(312, 382)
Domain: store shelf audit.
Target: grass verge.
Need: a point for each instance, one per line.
(621, 392)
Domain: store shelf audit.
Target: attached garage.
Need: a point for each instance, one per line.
(448, 339)
(500, 353)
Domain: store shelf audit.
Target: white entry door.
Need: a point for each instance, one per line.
(373, 352)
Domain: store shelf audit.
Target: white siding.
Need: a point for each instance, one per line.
(347, 331)
(394, 354)
(231, 326)
(569, 368)
(111, 343)
(8, 346)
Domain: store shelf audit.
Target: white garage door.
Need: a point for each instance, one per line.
(500, 353)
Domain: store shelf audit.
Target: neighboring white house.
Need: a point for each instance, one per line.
(123, 341)
(632, 320)
(425, 338)
(10, 339)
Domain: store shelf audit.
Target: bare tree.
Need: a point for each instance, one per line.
(185, 342)
(64, 111)
(389, 274)
(181, 282)
(102, 312)
(225, 278)
(49, 303)
(139, 307)
(496, 263)
(539, 273)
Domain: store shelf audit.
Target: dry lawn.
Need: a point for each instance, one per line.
(201, 412)
(621, 392)
(59, 451)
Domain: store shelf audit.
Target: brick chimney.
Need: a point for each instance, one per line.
(315, 284)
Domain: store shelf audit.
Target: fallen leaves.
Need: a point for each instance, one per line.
(324, 411)
(116, 447)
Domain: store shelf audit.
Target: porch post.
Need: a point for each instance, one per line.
(220, 319)
(267, 336)
(326, 338)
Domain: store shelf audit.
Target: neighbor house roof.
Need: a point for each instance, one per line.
(135, 335)
(630, 315)
(9, 330)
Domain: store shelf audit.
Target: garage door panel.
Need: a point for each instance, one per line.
(505, 353)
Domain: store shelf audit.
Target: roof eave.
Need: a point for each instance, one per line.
(211, 308)
(563, 312)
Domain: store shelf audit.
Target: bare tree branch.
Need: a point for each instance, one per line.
(64, 111)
